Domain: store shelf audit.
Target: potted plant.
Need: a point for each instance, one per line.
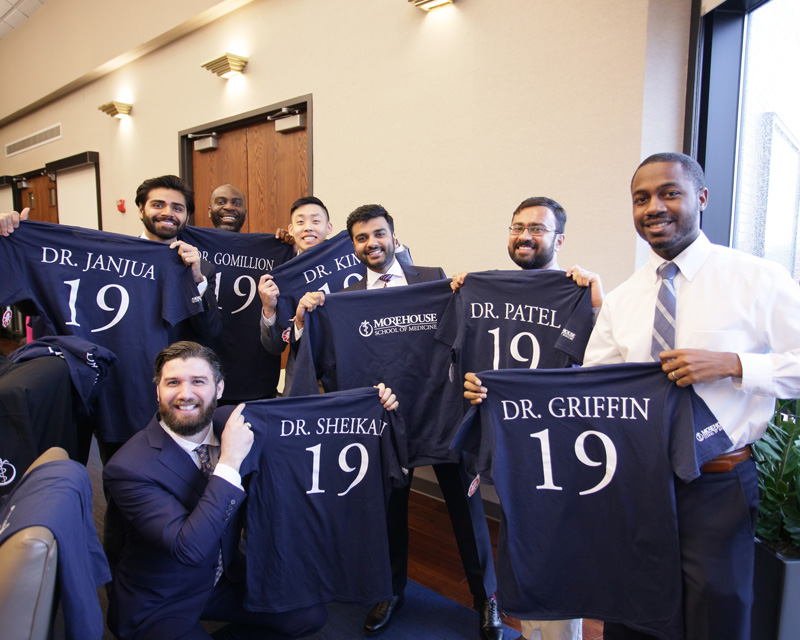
(776, 615)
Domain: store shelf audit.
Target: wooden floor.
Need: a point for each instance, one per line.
(434, 561)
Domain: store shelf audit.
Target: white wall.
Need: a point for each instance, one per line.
(448, 118)
(77, 197)
(6, 199)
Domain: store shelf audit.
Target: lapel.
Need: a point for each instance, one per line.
(175, 461)
(411, 273)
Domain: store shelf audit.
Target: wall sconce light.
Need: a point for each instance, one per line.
(226, 66)
(427, 5)
(116, 109)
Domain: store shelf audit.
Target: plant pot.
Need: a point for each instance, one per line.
(776, 587)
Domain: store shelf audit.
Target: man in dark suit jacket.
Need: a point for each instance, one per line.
(310, 226)
(182, 505)
(372, 231)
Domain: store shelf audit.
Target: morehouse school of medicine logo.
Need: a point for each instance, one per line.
(7, 472)
(365, 329)
(708, 432)
(398, 324)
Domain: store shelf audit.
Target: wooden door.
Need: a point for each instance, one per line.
(41, 198)
(270, 167)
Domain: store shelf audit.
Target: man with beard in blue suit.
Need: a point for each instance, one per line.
(178, 487)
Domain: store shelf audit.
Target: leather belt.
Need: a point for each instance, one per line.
(726, 461)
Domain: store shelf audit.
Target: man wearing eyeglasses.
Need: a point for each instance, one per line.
(535, 237)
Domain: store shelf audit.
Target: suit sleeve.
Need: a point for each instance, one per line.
(207, 324)
(316, 357)
(272, 336)
(190, 537)
(404, 257)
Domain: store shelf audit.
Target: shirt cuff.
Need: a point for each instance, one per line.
(202, 286)
(298, 333)
(268, 321)
(230, 474)
(756, 373)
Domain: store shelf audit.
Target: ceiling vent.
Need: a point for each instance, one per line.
(36, 140)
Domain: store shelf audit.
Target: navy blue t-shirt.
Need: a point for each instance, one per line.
(58, 495)
(320, 473)
(528, 319)
(330, 266)
(116, 291)
(89, 364)
(240, 260)
(365, 337)
(584, 462)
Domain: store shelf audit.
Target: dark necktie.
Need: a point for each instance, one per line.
(664, 318)
(208, 470)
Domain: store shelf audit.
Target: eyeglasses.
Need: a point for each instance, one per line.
(534, 230)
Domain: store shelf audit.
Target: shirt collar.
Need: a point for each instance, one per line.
(187, 445)
(689, 260)
(372, 276)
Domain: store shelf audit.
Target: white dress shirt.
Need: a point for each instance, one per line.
(222, 470)
(398, 277)
(726, 301)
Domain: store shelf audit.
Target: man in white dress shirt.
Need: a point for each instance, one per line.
(737, 341)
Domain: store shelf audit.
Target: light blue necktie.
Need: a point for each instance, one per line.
(208, 470)
(664, 319)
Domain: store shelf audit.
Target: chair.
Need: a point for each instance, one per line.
(28, 562)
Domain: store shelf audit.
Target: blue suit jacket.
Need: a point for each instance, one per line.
(176, 521)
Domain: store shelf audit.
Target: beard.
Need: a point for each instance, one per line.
(226, 225)
(187, 426)
(150, 225)
(538, 260)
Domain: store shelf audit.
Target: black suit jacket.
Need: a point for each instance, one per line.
(202, 327)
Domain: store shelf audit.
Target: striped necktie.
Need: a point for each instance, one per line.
(386, 277)
(664, 319)
(208, 470)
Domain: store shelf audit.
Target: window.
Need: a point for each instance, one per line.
(748, 130)
(767, 203)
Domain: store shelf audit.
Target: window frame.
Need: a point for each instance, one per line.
(715, 105)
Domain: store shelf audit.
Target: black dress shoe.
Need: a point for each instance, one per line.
(378, 617)
(491, 626)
